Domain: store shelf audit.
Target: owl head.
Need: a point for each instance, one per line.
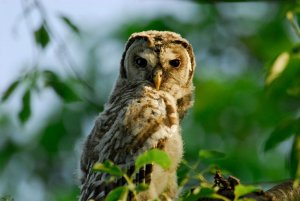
(162, 58)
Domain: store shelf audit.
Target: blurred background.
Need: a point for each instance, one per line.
(60, 58)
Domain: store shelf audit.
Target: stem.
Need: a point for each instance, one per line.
(131, 185)
(291, 17)
(297, 156)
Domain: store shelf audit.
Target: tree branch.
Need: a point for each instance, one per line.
(285, 192)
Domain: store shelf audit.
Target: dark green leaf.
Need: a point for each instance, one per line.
(204, 192)
(241, 190)
(7, 152)
(296, 50)
(70, 24)
(108, 167)
(118, 194)
(153, 156)
(141, 187)
(283, 131)
(41, 36)
(64, 91)
(295, 158)
(246, 199)
(52, 136)
(25, 112)
(10, 90)
(210, 155)
(50, 76)
(61, 88)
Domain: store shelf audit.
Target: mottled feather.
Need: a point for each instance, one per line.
(142, 113)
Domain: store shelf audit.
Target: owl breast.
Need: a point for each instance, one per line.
(152, 94)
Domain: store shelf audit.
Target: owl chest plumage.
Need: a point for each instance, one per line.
(141, 119)
(151, 96)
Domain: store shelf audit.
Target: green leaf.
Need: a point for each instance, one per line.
(61, 89)
(70, 24)
(241, 190)
(283, 131)
(10, 90)
(50, 76)
(246, 199)
(52, 136)
(210, 155)
(204, 191)
(25, 112)
(157, 156)
(41, 36)
(108, 167)
(6, 198)
(278, 67)
(64, 91)
(141, 187)
(295, 159)
(118, 194)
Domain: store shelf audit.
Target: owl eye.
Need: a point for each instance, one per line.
(174, 63)
(141, 62)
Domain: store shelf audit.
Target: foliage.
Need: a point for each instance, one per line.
(283, 80)
(246, 100)
(202, 189)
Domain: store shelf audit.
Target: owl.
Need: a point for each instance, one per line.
(153, 92)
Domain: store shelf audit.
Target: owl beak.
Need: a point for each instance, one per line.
(157, 77)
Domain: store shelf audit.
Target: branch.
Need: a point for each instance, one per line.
(282, 192)
(285, 192)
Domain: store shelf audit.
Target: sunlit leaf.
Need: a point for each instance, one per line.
(241, 190)
(153, 156)
(210, 155)
(41, 36)
(118, 194)
(282, 132)
(25, 112)
(70, 24)
(108, 167)
(278, 67)
(10, 90)
(290, 15)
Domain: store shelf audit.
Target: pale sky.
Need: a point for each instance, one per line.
(18, 53)
(16, 45)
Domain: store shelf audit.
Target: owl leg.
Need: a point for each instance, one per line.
(171, 191)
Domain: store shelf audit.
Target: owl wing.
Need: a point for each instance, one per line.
(129, 126)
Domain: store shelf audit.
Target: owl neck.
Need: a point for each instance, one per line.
(182, 95)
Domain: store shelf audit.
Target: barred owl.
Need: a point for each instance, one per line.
(151, 96)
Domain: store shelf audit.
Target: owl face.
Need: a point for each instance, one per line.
(163, 59)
